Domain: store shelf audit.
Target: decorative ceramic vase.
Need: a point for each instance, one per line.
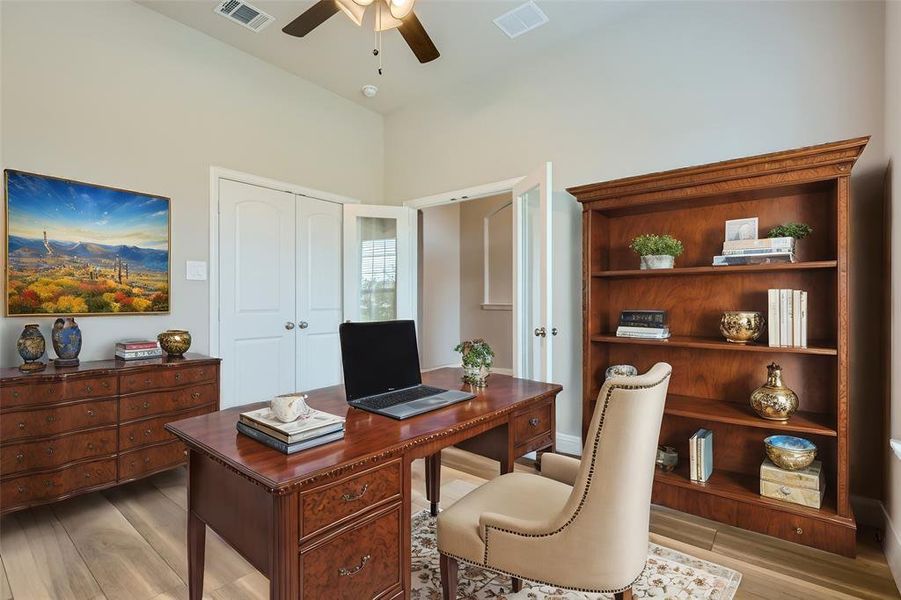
(741, 326)
(476, 375)
(174, 342)
(289, 407)
(31, 345)
(66, 338)
(657, 261)
(790, 452)
(773, 400)
(667, 458)
(620, 371)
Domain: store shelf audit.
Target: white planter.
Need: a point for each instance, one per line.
(657, 261)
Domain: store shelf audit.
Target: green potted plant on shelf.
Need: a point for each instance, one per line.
(657, 251)
(477, 360)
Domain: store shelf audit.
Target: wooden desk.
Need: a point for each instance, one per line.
(333, 521)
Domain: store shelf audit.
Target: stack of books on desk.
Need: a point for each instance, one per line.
(643, 324)
(315, 429)
(756, 252)
(138, 349)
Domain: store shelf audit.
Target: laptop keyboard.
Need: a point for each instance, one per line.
(399, 397)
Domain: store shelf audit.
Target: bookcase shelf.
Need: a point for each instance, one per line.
(807, 185)
(710, 270)
(709, 343)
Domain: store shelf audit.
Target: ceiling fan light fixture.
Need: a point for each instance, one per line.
(384, 20)
(353, 10)
(363, 2)
(400, 8)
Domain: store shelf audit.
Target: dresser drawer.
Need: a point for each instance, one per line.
(362, 562)
(156, 403)
(48, 486)
(45, 454)
(151, 431)
(147, 460)
(328, 505)
(532, 423)
(165, 378)
(73, 388)
(51, 421)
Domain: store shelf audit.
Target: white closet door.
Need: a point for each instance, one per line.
(257, 292)
(319, 293)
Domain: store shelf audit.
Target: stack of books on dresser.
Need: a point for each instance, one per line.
(314, 429)
(756, 252)
(643, 324)
(138, 349)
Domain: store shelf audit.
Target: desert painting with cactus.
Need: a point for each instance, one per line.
(81, 249)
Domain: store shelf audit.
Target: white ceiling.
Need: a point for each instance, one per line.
(338, 54)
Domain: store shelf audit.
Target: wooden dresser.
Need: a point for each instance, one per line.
(712, 379)
(68, 431)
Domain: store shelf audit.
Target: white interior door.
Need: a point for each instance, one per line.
(533, 330)
(256, 292)
(379, 262)
(319, 294)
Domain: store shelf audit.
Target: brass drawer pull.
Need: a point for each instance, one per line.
(91, 412)
(147, 460)
(195, 395)
(534, 421)
(146, 404)
(49, 483)
(51, 419)
(131, 436)
(354, 497)
(21, 425)
(20, 489)
(90, 445)
(106, 384)
(799, 531)
(50, 450)
(177, 376)
(89, 388)
(20, 457)
(344, 572)
(148, 381)
(87, 475)
(148, 432)
(16, 395)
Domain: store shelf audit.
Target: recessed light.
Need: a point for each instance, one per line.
(370, 90)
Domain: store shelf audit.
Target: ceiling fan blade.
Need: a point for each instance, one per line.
(315, 16)
(418, 40)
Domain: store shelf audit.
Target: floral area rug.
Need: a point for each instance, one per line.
(669, 575)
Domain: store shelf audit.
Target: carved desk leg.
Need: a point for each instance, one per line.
(433, 481)
(196, 546)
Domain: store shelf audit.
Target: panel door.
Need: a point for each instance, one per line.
(319, 292)
(257, 297)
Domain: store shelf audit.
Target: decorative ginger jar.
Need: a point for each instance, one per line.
(66, 338)
(773, 400)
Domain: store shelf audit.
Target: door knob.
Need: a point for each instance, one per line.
(540, 332)
(303, 324)
(289, 325)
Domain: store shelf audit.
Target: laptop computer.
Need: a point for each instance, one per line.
(381, 371)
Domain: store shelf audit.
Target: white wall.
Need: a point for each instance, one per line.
(117, 94)
(893, 189)
(668, 85)
(439, 303)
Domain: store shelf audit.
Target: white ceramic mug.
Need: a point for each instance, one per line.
(289, 407)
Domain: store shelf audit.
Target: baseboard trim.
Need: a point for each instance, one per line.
(891, 546)
(569, 444)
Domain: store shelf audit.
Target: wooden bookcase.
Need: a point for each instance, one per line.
(712, 379)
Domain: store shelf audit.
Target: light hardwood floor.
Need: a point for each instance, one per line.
(129, 543)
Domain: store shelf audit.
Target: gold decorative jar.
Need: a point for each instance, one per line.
(175, 342)
(741, 326)
(773, 400)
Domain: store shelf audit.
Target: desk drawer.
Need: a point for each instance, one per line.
(361, 562)
(323, 507)
(166, 378)
(532, 423)
(157, 403)
(148, 460)
(151, 431)
(51, 421)
(44, 454)
(20, 491)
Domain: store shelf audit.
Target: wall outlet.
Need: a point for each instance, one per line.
(195, 270)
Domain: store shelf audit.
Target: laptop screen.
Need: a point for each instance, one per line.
(379, 357)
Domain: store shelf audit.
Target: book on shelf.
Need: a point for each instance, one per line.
(137, 345)
(787, 318)
(772, 320)
(288, 448)
(138, 354)
(803, 315)
(700, 454)
(646, 333)
(317, 423)
(654, 318)
(785, 244)
(754, 259)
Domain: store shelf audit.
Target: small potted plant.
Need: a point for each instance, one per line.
(657, 251)
(477, 359)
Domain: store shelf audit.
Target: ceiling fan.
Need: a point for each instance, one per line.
(392, 14)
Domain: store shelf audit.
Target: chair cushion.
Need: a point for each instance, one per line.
(520, 495)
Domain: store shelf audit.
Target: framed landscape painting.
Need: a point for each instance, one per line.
(81, 249)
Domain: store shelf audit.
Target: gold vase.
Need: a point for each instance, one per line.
(773, 400)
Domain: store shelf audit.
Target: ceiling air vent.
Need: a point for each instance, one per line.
(243, 13)
(521, 19)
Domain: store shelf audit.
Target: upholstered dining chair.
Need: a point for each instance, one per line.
(579, 525)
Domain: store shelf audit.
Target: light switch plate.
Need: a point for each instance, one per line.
(195, 270)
